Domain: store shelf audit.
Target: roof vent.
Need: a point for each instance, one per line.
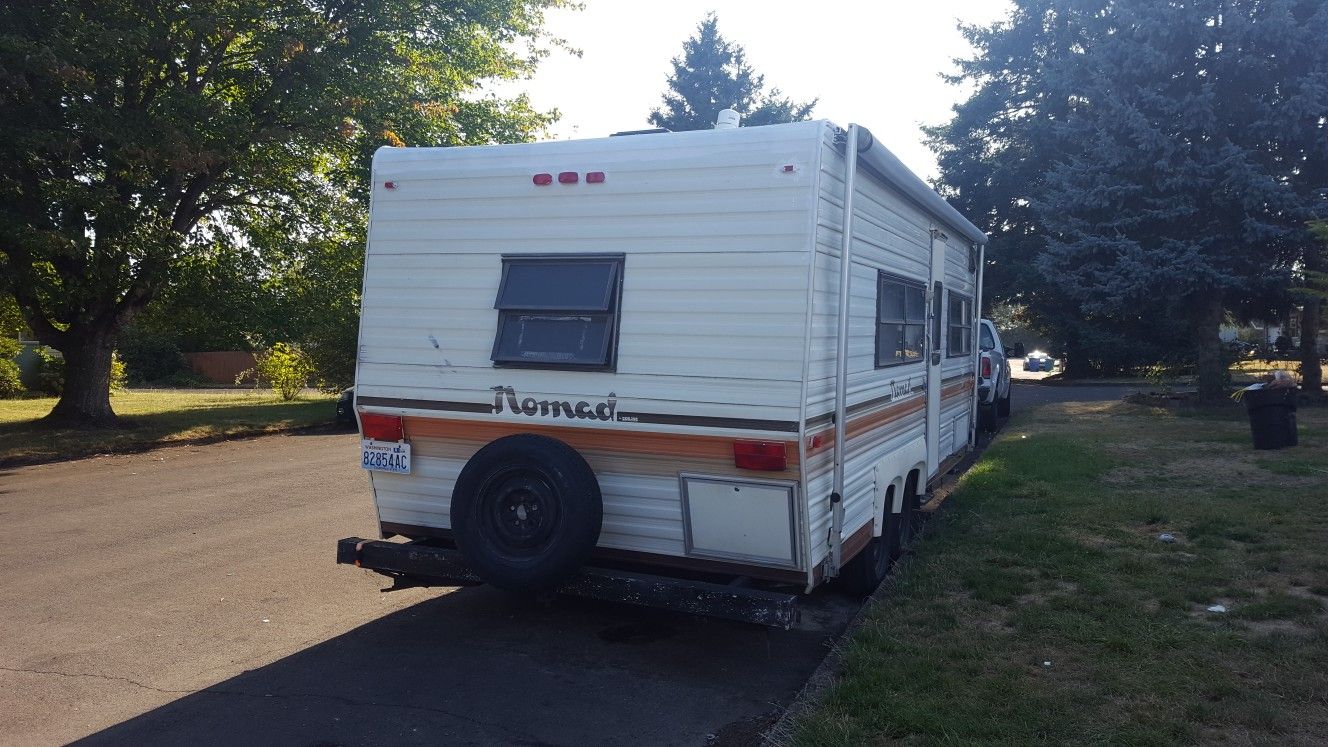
(652, 131)
(727, 120)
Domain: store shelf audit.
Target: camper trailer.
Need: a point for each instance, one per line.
(640, 368)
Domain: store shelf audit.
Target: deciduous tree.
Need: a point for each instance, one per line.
(134, 133)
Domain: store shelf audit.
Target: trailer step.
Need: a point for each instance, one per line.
(418, 564)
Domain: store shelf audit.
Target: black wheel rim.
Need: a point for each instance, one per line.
(520, 510)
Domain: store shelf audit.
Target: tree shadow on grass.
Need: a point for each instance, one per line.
(37, 441)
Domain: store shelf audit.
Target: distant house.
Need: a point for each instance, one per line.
(29, 364)
(1266, 334)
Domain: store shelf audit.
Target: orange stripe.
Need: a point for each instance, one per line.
(825, 440)
(587, 439)
(865, 424)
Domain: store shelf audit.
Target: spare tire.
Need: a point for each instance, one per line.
(526, 512)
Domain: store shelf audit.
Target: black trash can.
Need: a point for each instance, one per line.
(1272, 416)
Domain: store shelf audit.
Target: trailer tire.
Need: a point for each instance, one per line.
(869, 567)
(526, 512)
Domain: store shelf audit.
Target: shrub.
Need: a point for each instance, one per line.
(1163, 376)
(150, 357)
(283, 367)
(51, 372)
(10, 383)
(119, 377)
(184, 379)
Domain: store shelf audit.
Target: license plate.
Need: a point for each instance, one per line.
(385, 456)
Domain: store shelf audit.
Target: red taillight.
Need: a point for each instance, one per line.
(568, 177)
(986, 367)
(381, 427)
(542, 180)
(594, 177)
(763, 455)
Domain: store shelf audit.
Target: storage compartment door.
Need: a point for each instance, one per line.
(739, 520)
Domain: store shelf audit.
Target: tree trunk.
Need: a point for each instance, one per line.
(1311, 376)
(86, 398)
(1210, 364)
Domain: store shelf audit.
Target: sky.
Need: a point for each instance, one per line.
(874, 63)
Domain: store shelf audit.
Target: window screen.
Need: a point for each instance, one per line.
(901, 315)
(960, 325)
(558, 312)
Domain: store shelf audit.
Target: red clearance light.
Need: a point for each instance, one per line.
(381, 427)
(390, 185)
(568, 177)
(595, 177)
(542, 179)
(986, 367)
(767, 456)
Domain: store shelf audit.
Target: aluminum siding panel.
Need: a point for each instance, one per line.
(717, 238)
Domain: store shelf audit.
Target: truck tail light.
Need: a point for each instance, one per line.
(381, 427)
(768, 456)
(986, 366)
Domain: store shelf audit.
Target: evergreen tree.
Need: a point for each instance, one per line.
(1174, 197)
(713, 75)
(1312, 293)
(1143, 166)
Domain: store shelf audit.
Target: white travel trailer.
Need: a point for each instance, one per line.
(635, 367)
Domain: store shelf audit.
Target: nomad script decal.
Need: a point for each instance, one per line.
(507, 396)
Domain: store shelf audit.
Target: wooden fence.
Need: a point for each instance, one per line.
(220, 367)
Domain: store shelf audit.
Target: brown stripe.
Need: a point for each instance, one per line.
(700, 421)
(855, 542)
(424, 404)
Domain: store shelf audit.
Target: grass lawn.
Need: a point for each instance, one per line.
(1252, 370)
(1041, 607)
(155, 417)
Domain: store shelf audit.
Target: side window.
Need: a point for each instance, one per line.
(985, 340)
(559, 311)
(901, 320)
(960, 340)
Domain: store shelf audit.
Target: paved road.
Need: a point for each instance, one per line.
(1025, 394)
(189, 594)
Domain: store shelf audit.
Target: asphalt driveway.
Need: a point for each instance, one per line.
(189, 595)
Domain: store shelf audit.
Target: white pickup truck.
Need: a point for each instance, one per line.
(993, 378)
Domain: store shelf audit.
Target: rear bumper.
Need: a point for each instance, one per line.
(984, 393)
(429, 565)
